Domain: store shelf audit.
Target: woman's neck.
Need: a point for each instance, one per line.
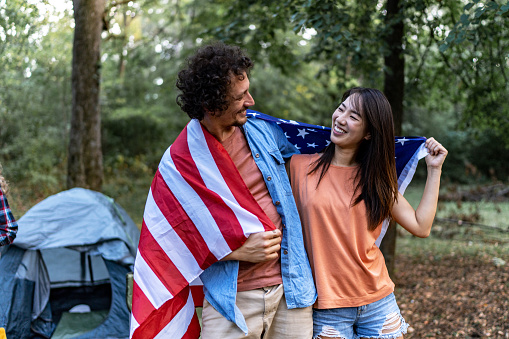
(344, 157)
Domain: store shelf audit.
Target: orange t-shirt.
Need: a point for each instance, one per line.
(254, 275)
(349, 269)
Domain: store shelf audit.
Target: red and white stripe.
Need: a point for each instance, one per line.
(198, 210)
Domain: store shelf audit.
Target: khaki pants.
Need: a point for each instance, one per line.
(266, 315)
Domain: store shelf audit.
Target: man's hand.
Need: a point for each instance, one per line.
(259, 247)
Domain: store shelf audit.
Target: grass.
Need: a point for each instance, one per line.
(130, 191)
(451, 238)
(489, 213)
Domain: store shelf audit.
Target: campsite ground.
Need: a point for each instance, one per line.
(454, 284)
(448, 289)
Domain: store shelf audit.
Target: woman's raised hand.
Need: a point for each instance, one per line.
(437, 153)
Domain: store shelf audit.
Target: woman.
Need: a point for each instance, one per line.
(343, 196)
(8, 225)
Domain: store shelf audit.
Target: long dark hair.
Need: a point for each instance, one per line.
(376, 180)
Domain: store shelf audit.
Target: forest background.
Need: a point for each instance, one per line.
(443, 64)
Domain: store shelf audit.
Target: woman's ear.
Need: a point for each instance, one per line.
(368, 136)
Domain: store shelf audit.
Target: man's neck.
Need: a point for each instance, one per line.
(221, 133)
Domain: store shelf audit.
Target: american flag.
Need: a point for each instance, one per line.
(198, 211)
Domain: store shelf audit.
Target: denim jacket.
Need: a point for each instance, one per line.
(269, 148)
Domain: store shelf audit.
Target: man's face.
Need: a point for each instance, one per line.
(240, 100)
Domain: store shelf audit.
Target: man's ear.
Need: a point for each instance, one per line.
(207, 111)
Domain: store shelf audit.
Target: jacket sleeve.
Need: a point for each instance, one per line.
(8, 225)
(286, 148)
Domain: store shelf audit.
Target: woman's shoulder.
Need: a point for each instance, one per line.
(306, 157)
(303, 160)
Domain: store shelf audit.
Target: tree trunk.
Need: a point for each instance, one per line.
(85, 163)
(394, 88)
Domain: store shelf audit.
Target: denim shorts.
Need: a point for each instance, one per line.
(380, 319)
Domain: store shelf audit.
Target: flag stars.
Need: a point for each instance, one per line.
(297, 146)
(302, 133)
(313, 145)
(402, 141)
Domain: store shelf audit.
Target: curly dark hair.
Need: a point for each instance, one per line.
(205, 82)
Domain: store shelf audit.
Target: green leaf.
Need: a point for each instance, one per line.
(464, 19)
(443, 47)
(504, 8)
(468, 6)
(492, 5)
(450, 38)
(479, 12)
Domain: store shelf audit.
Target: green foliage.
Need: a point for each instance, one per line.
(128, 134)
(476, 51)
(35, 101)
(475, 14)
(307, 98)
(306, 53)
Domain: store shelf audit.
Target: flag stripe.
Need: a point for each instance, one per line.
(198, 295)
(237, 189)
(193, 205)
(170, 250)
(134, 324)
(408, 170)
(179, 324)
(142, 307)
(147, 280)
(182, 225)
(211, 195)
(165, 317)
(194, 329)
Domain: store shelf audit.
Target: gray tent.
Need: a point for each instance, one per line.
(73, 248)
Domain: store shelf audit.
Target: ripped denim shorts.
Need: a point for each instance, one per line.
(380, 319)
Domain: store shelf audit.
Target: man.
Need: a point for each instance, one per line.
(227, 173)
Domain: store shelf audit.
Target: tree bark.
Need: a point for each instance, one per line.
(85, 162)
(394, 87)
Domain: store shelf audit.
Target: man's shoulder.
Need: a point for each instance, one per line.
(252, 120)
(263, 131)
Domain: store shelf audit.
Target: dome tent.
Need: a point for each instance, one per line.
(74, 247)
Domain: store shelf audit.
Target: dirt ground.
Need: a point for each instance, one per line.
(453, 296)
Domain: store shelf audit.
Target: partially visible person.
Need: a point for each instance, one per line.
(8, 225)
(343, 196)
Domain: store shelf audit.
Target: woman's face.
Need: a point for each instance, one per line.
(349, 125)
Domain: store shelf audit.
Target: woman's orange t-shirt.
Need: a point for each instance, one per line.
(349, 269)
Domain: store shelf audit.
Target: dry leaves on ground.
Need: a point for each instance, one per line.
(454, 296)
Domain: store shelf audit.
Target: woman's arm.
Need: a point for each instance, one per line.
(419, 221)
